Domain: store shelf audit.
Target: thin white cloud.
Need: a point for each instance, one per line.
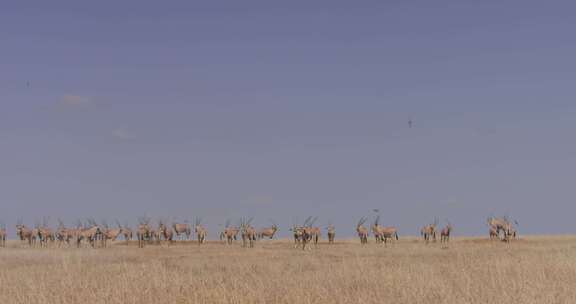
(70, 100)
(259, 200)
(121, 133)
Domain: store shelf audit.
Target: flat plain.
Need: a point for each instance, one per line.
(469, 270)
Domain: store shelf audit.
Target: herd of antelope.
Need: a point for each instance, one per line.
(307, 235)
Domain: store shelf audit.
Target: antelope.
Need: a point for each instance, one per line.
(384, 233)
(127, 233)
(501, 225)
(63, 234)
(166, 232)
(362, 231)
(268, 232)
(493, 232)
(230, 233)
(331, 234)
(143, 232)
(429, 231)
(309, 233)
(111, 234)
(24, 233)
(182, 230)
(298, 235)
(2, 235)
(445, 233)
(45, 234)
(248, 233)
(92, 234)
(200, 231)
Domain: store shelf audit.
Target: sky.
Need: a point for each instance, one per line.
(284, 110)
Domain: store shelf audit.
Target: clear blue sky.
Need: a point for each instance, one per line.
(115, 109)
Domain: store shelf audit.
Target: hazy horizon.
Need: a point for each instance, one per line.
(115, 110)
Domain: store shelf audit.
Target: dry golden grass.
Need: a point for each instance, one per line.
(532, 270)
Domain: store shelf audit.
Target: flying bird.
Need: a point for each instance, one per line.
(410, 122)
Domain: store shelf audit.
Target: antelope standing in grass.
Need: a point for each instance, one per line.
(331, 234)
(362, 230)
(182, 230)
(248, 233)
(445, 233)
(23, 232)
(63, 234)
(200, 231)
(297, 233)
(143, 232)
(429, 231)
(91, 234)
(166, 232)
(268, 232)
(502, 226)
(2, 235)
(384, 233)
(126, 233)
(493, 232)
(230, 233)
(111, 234)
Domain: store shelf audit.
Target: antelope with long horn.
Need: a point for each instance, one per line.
(166, 232)
(111, 234)
(268, 232)
(297, 232)
(502, 227)
(2, 235)
(384, 233)
(126, 232)
(45, 233)
(429, 231)
(200, 231)
(23, 232)
(362, 230)
(445, 233)
(143, 232)
(230, 233)
(331, 233)
(63, 234)
(182, 230)
(248, 233)
(311, 233)
(92, 234)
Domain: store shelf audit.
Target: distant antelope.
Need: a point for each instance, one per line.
(182, 230)
(268, 232)
(143, 233)
(429, 231)
(45, 235)
(362, 231)
(200, 231)
(230, 233)
(384, 233)
(248, 233)
(493, 232)
(166, 232)
(2, 235)
(331, 234)
(445, 233)
(502, 226)
(63, 234)
(91, 234)
(297, 233)
(24, 233)
(310, 233)
(127, 233)
(111, 234)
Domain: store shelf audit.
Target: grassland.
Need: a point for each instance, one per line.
(531, 270)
